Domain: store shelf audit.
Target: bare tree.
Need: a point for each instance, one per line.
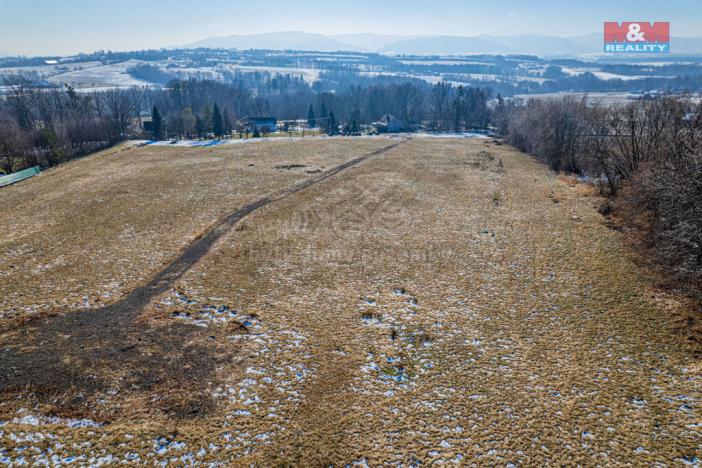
(119, 114)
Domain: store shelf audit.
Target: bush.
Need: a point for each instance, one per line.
(663, 202)
(652, 150)
(553, 131)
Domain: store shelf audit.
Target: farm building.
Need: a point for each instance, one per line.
(262, 124)
(389, 124)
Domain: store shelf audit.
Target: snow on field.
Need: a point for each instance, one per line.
(445, 78)
(613, 76)
(574, 71)
(433, 79)
(111, 76)
(210, 143)
(600, 74)
(50, 70)
(190, 143)
(664, 64)
(451, 135)
(25, 418)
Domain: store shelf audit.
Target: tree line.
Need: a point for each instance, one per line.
(47, 126)
(646, 157)
(40, 125)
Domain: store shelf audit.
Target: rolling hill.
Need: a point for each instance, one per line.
(288, 40)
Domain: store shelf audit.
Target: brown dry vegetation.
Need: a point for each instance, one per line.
(446, 300)
(89, 232)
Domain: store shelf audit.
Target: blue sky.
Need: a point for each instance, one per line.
(67, 26)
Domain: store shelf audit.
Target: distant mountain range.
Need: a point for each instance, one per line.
(291, 40)
(532, 44)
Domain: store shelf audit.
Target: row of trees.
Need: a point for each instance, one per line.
(439, 107)
(212, 121)
(45, 125)
(48, 126)
(645, 155)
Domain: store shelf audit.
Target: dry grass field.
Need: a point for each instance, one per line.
(442, 300)
(92, 230)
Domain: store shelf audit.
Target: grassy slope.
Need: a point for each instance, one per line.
(93, 229)
(430, 304)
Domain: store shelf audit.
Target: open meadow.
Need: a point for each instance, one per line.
(339, 301)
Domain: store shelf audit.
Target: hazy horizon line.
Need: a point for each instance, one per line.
(7, 53)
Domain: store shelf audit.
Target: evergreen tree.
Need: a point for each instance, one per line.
(324, 117)
(333, 126)
(200, 127)
(207, 121)
(156, 124)
(217, 122)
(50, 140)
(311, 121)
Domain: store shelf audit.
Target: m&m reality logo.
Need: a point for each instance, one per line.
(637, 37)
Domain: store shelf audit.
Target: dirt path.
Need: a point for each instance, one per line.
(70, 352)
(450, 302)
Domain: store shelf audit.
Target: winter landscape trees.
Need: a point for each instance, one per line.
(46, 126)
(646, 156)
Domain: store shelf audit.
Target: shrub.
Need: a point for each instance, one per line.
(663, 202)
(652, 150)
